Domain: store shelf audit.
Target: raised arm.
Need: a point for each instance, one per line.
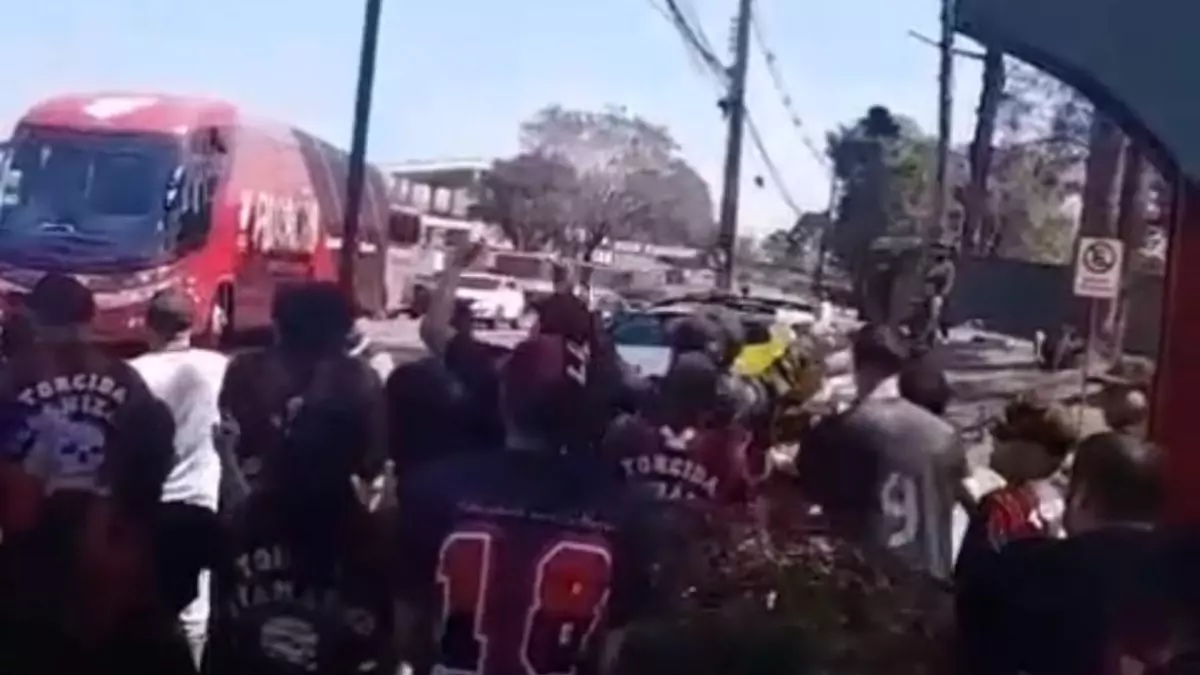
(436, 328)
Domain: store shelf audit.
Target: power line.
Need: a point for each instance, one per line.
(687, 10)
(700, 49)
(694, 38)
(785, 98)
(772, 170)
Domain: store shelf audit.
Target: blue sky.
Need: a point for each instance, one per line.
(456, 77)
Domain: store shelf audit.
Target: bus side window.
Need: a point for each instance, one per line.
(198, 184)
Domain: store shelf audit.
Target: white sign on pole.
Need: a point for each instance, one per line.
(1098, 267)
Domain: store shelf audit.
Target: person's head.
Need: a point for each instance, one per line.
(689, 392)
(1115, 479)
(923, 382)
(694, 334)
(427, 404)
(312, 318)
(1032, 440)
(1125, 406)
(60, 308)
(718, 334)
(566, 315)
(878, 354)
(169, 318)
(543, 389)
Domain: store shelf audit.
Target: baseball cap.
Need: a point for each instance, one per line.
(60, 300)
(170, 312)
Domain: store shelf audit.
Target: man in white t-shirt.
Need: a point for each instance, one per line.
(188, 379)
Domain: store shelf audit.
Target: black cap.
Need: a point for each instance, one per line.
(170, 312)
(60, 300)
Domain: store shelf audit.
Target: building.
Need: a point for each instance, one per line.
(443, 193)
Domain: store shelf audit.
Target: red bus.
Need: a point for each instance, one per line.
(132, 193)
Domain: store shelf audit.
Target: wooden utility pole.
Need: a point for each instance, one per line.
(942, 197)
(358, 148)
(735, 108)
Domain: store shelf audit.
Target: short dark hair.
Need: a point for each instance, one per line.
(313, 316)
(567, 315)
(878, 347)
(924, 382)
(1121, 476)
(691, 387)
(169, 313)
(545, 387)
(1033, 418)
(61, 300)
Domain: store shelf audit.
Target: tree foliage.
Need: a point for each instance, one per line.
(1031, 140)
(529, 197)
(885, 166)
(793, 247)
(585, 176)
(782, 595)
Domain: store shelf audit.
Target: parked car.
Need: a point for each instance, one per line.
(495, 300)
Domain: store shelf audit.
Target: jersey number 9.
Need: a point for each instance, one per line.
(899, 501)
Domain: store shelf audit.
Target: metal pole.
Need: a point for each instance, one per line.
(1085, 371)
(358, 147)
(736, 107)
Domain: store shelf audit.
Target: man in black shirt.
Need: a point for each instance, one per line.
(1092, 603)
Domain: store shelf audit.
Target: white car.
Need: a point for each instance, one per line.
(495, 300)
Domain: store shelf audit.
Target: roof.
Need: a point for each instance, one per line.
(130, 111)
(420, 166)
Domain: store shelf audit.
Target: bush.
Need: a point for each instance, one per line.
(748, 601)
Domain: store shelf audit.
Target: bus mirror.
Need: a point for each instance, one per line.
(171, 197)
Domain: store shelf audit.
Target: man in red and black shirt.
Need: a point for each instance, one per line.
(528, 559)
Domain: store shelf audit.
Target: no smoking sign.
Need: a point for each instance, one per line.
(1098, 267)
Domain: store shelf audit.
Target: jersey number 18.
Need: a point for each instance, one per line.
(570, 589)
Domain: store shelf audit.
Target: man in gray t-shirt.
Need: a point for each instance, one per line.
(885, 470)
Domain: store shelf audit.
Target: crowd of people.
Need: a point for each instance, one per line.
(305, 508)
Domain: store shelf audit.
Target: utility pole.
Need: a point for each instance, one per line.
(358, 148)
(818, 282)
(942, 198)
(735, 109)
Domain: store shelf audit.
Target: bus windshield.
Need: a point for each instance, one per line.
(75, 198)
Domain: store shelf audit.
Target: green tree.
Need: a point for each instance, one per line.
(1027, 162)
(530, 198)
(793, 246)
(631, 181)
(885, 165)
